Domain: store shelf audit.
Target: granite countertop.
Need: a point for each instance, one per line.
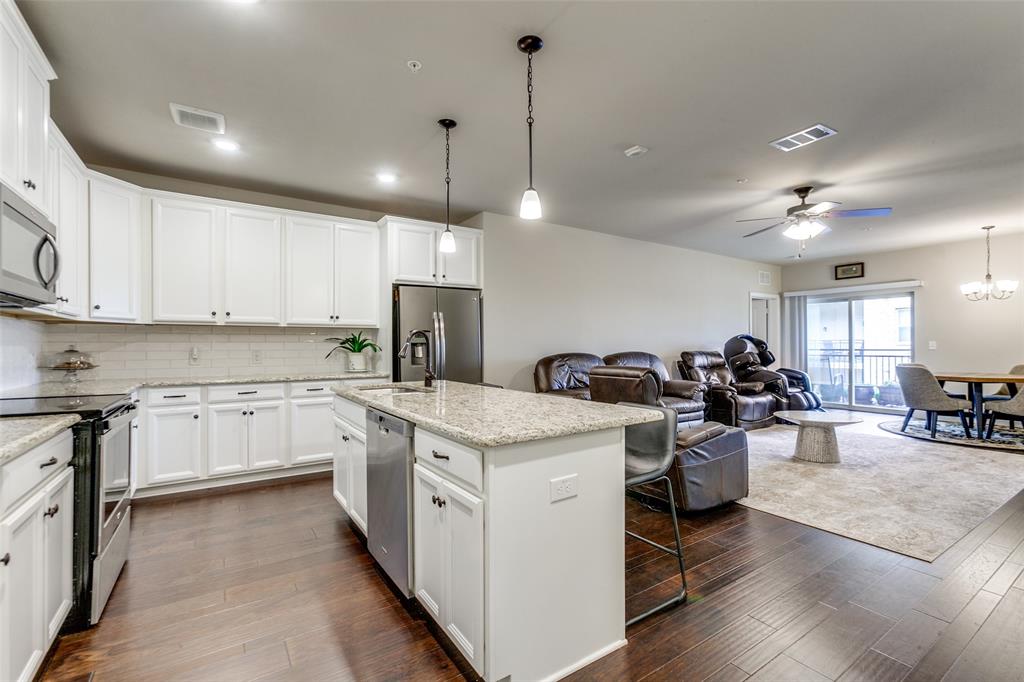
(57, 389)
(487, 417)
(18, 435)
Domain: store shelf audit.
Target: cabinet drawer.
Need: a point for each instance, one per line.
(351, 412)
(173, 396)
(311, 389)
(24, 474)
(223, 394)
(453, 459)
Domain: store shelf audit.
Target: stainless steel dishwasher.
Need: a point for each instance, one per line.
(389, 457)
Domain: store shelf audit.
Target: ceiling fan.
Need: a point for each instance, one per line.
(804, 220)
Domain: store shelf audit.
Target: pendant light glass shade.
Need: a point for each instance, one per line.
(529, 208)
(447, 244)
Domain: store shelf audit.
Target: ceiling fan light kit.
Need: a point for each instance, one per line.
(529, 207)
(803, 221)
(999, 290)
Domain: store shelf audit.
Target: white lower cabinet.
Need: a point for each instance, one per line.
(173, 444)
(350, 470)
(245, 437)
(313, 430)
(36, 539)
(448, 538)
(267, 428)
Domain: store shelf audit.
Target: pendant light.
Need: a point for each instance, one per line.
(529, 208)
(983, 291)
(447, 243)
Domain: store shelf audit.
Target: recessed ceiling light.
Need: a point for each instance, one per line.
(225, 144)
(636, 150)
(386, 178)
(414, 65)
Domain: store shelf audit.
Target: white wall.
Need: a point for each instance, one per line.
(550, 288)
(986, 336)
(21, 345)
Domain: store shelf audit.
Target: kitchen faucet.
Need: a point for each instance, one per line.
(428, 372)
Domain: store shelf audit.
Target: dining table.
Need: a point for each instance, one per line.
(976, 388)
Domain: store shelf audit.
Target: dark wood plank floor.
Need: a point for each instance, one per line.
(271, 583)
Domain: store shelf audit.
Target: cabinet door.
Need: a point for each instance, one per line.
(184, 253)
(114, 256)
(462, 268)
(428, 541)
(463, 611)
(357, 464)
(58, 536)
(342, 479)
(10, 97)
(312, 433)
(173, 444)
(21, 590)
(413, 253)
(252, 267)
(356, 275)
(35, 117)
(267, 430)
(227, 438)
(309, 272)
(71, 226)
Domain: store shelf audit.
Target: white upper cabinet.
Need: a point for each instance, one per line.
(462, 268)
(331, 273)
(24, 108)
(356, 275)
(413, 251)
(309, 271)
(414, 256)
(115, 290)
(252, 267)
(184, 257)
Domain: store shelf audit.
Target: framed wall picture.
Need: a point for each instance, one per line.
(849, 271)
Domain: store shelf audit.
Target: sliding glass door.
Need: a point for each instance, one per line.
(853, 347)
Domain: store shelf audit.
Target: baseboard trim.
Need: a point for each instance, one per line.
(585, 661)
(192, 489)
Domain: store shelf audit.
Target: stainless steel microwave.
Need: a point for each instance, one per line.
(29, 261)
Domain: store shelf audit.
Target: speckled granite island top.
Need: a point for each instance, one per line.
(57, 389)
(18, 435)
(486, 417)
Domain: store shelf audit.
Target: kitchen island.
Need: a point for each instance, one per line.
(518, 520)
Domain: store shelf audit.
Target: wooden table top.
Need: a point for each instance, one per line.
(981, 377)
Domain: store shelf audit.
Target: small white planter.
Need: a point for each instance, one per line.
(358, 362)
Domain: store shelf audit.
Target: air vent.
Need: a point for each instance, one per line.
(764, 277)
(803, 138)
(197, 119)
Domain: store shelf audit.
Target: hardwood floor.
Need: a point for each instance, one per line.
(271, 583)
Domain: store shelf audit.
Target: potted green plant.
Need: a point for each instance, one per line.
(357, 347)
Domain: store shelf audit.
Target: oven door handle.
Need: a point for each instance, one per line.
(125, 415)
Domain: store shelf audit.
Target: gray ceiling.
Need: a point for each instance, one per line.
(928, 99)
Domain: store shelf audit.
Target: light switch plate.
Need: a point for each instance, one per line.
(932, 345)
(564, 487)
(193, 356)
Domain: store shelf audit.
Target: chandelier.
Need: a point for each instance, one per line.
(982, 291)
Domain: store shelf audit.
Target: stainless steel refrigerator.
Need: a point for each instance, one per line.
(452, 319)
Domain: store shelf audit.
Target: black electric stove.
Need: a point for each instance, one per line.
(103, 461)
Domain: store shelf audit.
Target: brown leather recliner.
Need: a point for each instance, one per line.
(566, 374)
(652, 385)
(745, 404)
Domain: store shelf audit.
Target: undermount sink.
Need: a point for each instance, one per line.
(395, 390)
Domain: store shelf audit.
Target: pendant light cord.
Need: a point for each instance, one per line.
(988, 254)
(529, 108)
(447, 179)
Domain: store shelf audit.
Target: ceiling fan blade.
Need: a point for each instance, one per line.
(765, 229)
(861, 213)
(821, 207)
(752, 220)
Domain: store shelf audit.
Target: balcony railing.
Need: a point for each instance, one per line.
(873, 372)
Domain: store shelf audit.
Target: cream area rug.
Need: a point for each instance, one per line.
(911, 496)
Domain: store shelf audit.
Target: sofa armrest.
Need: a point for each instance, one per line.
(618, 384)
(722, 389)
(749, 387)
(796, 378)
(684, 388)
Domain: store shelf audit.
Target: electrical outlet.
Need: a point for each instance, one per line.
(257, 357)
(564, 487)
(193, 356)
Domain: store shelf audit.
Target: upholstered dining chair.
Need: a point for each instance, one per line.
(1004, 394)
(1012, 409)
(921, 391)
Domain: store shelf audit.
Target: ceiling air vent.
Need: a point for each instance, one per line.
(197, 119)
(803, 138)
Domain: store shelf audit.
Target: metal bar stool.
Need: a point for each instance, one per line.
(650, 454)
